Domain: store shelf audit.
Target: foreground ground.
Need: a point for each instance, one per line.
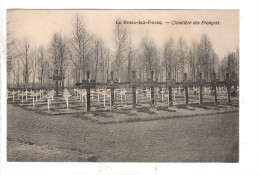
(36, 137)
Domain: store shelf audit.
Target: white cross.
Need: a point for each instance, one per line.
(104, 97)
(197, 91)
(147, 91)
(137, 92)
(41, 93)
(108, 94)
(205, 90)
(84, 94)
(179, 90)
(52, 94)
(66, 97)
(121, 94)
(26, 92)
(49, 97)
(98, 92)
(31, 93)
(22, 96)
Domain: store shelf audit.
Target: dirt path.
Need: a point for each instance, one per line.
(35, 137)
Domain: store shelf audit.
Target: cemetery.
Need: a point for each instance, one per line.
(140, 93)
(91, 105)
(137, 101)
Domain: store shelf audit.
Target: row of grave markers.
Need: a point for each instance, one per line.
(170, 83)
(112, 90)
(81, 93)
(20, 94)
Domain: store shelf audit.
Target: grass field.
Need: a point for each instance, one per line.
(36, 137)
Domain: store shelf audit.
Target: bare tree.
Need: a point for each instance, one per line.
(149, 55)
(85, 51)
(169, 56)
(205, 53)
(12, 56)
(182, 55)
(42, 61)
(59, 54)
(192, 61)
(81, 48)
(230, 65)
(34, 60)
(107, 63)
(130, 58)
(120, 38)
(215, 63)
(24, 51)
(98, 55)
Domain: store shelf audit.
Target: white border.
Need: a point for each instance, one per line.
(249, 88)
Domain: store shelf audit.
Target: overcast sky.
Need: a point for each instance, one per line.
(40, 25)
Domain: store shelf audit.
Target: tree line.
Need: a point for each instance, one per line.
(72, 56)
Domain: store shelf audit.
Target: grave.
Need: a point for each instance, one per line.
(124, 93)
(98, 93)
(41, 93)
(57, 78)
(49, 97)
(137, 92)
(13, 93)
(52, 93)
(33, 95)
(104, 93)
(31, 92)
(163, 92)
(22, 94)
(121, 96)
(66, 96)
(86, 85)
(179, 90)
(148, 93)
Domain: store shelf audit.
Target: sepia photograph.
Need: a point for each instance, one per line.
(102, 85)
